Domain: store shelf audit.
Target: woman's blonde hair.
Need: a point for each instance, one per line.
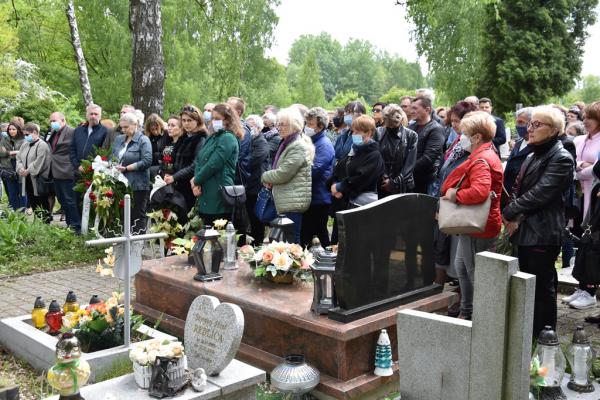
(550, 115)
(479, 122)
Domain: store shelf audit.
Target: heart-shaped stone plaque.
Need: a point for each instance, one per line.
(213, 332)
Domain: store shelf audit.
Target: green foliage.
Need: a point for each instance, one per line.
(395, 94)
(343, 98)
(309, 90)
(449, 34)
(119, 367)
(588, 91)
(532, 53)
(28, 246)
(358, 66)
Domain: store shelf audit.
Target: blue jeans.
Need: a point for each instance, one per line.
(13, 189)
(297, 218)
(66, 197)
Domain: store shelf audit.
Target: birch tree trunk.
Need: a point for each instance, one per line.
(86, 89)
(147, 62)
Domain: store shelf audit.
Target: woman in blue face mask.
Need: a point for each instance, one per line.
(355, 177)
(519, 152)
(343, 143)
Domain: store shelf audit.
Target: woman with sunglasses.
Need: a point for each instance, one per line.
(193, 139)
(535, 217)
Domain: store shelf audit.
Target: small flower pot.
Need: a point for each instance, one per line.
(143, 373)
(280, 278)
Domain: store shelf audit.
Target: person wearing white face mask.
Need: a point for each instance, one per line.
(33, 162)
(260, 162)
(314, 220)
(471, 183)
(61, 170)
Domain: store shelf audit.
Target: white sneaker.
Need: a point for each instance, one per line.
(585, 300)
(576, 294)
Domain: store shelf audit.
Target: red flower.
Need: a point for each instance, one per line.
(104, 158)
(121, 203)
(194, 239)
(109, 193)
(167, 159)
(92, 196)
(88, 183)
(166, 213)
(89, 169)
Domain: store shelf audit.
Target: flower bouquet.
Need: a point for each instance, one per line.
(143, 355)
(104, 189)
(278, 261)
(537, 374)
(165, 220)
(100, 326)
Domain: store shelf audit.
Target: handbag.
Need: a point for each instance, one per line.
(363, 199)
(7, 173)
(462, 219)
(233, 196)
(43, 185)
(587, 256)
(265, 209)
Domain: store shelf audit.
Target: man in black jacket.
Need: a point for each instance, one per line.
(429, 146)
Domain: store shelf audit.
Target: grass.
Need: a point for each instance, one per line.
(28, 246)
(32, 384)
(119, 367)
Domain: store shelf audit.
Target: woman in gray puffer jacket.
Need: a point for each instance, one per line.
(291, 176)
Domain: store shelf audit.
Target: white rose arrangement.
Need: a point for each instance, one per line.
(145, 353)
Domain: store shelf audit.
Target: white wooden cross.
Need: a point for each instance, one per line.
(126, 239)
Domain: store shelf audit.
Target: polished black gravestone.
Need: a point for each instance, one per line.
(385, 255)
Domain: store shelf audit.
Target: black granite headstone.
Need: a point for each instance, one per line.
(385, 255)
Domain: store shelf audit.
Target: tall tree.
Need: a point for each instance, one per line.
(310, 90)
(86, 88)
(147, 62)
(533, 49)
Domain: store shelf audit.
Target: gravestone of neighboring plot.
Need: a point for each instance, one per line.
(385, 255)
(451, 359)
(213, 332)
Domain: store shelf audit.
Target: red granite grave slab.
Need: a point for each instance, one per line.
(278, 321)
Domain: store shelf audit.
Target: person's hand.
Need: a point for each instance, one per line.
(80, 169)
(386, 185)
(268, 185)
(333, 190)
(586, 164)
(197, 191)
(23, 172)
(338, 195)
(169, 179)
(121, 168)
(511, 227)
(13, 152)
(450, 195)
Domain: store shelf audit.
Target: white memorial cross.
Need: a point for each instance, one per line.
(126, 239)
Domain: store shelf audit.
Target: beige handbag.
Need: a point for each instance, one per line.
(458, 219)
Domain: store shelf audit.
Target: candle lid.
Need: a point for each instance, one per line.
(71, 297)
(54, 306)
(95, 299)
(39, 302)
(548, 337)
(579, 336)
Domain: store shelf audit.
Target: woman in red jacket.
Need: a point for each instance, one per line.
(482, 172)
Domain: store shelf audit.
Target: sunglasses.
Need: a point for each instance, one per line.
(190, 109)
(376, 110)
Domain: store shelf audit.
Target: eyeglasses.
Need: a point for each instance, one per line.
(536, 124)
(376, 110)
(280, 125)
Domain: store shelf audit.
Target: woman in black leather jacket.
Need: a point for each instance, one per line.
(535, 217)
(398, 147)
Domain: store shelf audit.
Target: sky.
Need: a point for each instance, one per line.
(379, 21)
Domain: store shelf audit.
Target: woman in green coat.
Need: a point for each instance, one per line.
(216, 164)
(291, 176)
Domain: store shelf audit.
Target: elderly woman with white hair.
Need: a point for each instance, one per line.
(291, 178)
(535, 217)
(271, 133)
(259, 163)
(33, 163)
(133, 151)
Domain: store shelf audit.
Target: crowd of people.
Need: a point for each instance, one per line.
(317, 162)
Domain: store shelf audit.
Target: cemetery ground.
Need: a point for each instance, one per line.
(17, 294)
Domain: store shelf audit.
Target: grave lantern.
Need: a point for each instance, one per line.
(38, 314)
(324, 289)
(54, 318)
(552, 365)
(70, 372)
(230, 247)
(207, 254)
(316, 247)
(282, 229)
(580, 356)
(70, 303)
